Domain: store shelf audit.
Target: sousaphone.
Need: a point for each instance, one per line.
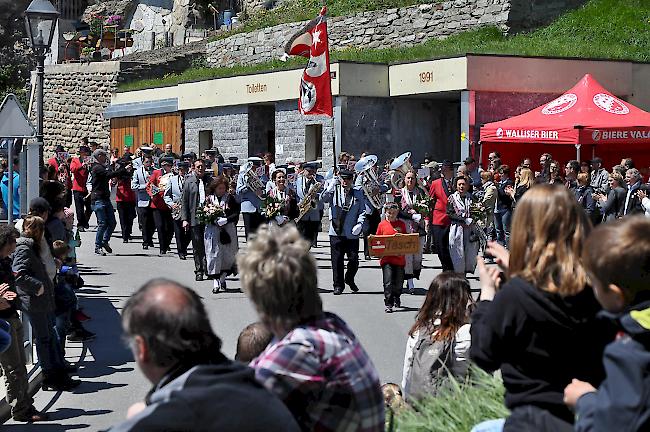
(400, 166)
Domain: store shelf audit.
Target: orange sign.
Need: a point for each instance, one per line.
(399, 244)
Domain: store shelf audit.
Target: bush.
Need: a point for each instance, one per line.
(458, 407)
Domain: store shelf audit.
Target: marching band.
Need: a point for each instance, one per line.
(199, 201)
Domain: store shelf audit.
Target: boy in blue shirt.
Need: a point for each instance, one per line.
(617, 259)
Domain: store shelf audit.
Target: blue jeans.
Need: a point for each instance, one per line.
(49, 351)
(502, 220)
(105, 221)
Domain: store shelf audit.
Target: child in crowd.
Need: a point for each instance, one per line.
(439, 341)
(252, 341)
(392, 267)
(393, 402)
(617, 260)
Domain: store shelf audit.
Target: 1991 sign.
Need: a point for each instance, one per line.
(426, 77)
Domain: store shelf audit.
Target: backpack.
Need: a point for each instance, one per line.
(431, 365)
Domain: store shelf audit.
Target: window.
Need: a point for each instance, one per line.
(313, 142)
(205, 140)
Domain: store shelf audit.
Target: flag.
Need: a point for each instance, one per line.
(315, 84)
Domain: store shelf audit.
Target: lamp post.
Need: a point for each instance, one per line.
(40, 21)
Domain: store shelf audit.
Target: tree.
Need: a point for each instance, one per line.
(15, 54)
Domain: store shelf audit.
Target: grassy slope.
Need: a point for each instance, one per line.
(610, 29)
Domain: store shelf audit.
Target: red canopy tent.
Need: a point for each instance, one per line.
(587, 120)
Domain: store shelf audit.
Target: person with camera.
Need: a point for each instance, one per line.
(348, 211)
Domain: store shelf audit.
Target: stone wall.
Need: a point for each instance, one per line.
(290, 133)
(376, 29)
(75, 96)
(229, 126)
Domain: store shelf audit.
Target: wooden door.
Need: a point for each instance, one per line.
(143, 130)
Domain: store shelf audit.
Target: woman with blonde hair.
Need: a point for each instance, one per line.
(540, 328)
(524, 182)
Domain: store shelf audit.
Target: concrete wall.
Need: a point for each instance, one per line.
(229, 126)
(290, 133)
(75, 96)
(389, 127)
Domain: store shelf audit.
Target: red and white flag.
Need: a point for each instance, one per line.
(315, 84)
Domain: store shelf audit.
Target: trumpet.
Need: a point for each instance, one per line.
(369, 181)
(253, 182)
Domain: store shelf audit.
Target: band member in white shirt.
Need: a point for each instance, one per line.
(139, 182)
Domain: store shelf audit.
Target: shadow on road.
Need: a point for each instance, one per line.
(67, 413)
(43, 427)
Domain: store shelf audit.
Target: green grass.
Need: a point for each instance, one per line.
(606, 29)
(456, 408)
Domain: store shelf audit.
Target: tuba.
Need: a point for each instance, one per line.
(398, 170)
(253, 182)
(370, 184)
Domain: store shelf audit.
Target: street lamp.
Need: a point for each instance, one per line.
(40, 21)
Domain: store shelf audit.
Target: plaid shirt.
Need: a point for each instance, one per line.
(324, 376)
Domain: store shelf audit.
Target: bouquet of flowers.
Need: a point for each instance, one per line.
(422, 204)
(115, 20)
(477, 213)
(272, 207)
(209, 213)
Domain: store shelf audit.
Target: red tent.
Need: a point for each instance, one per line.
(585, 121)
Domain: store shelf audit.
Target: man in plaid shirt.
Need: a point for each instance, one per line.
(315, 364)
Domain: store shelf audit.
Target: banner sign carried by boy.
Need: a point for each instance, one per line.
(315, 84)
(391, 245)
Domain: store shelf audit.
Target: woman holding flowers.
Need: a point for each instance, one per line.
(463, 234)
(414, 208)
(220, 213)
(280, 205)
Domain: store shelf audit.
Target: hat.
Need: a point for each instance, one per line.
(59, 149)
(432, 164)
(99, 152)
(166, 161)
(346, 174)
(183, 164)
(39, 205)
(84, 149)
(189, 155)
(597, 160)
(233, 159)
(447, 163)
(146, 149)
(310, 165)
(227, 166)
(255, 159)
(391, 205)
(210, 151)
(468, 160)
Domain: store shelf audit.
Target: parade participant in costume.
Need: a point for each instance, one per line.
(80, 168)
(211, 161)
(463, 241)
(192, 199)
(439, 191)
(347, 213)
(172, 196)
(392, 267)
(283, 193)
(412, 196)
(139, 183)
(162, 214)
(251, 199)
(221, 244)
(125, 200)
(309, 223)
(61, 165)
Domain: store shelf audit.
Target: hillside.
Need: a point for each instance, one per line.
(604, 29)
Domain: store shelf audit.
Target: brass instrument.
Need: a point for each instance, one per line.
(398, 170)
(309, 201)
(253, 181)
(370, 183)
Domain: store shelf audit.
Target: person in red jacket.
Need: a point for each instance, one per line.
(440, 190)
(392, 267)
(125, 200)
(60, 163)
(80, 169)
(162, 214)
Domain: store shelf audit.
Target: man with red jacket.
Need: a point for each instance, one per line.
(79, 167)
(440, 190)
(162, 214)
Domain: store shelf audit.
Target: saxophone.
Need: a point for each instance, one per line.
(309, 201)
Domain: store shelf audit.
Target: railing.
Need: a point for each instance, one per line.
(71, 9)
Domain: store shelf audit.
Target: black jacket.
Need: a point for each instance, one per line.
(613, 207)
(100, 175)
(7, 276)
(504, 201)
(222, 397)
(30, 276)
(540, 341)
(634, 203)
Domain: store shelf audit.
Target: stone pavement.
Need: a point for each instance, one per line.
(110, 379)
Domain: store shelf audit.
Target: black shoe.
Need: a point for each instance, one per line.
(199, 277)
(389, 309)
(353, 286)
(81, 335)
(100, 251)
(150, 244)
(69, 367)
(81, 229)
(398, 303)
(338, 291)
(60, 383)
(126, 240)
(163, 251)
(145, 246)
(182, 257)
(366, 257)
(107, 247)
(32, 416)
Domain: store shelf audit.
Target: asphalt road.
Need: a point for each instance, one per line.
(111, 381)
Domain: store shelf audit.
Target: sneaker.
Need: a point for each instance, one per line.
(107, 247)
(100, 251)
(81, 335)
(145, 246)
(389, 309)
(126, 240)
(338, 291)
(198, 277)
